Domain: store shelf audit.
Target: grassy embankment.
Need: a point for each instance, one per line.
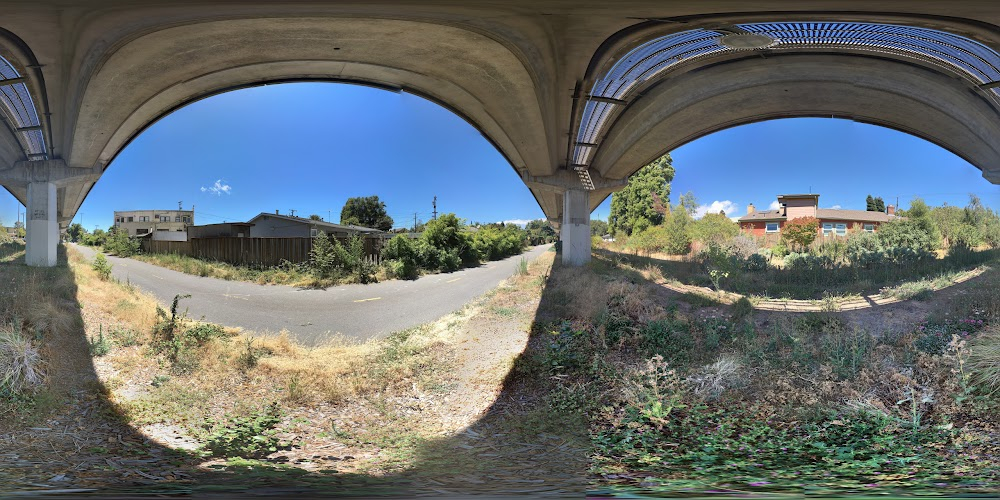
(269, 410)
(677, 394)
(843, 281)
(696, 396)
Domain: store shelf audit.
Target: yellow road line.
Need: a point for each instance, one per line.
(452, 281)
(366, 300)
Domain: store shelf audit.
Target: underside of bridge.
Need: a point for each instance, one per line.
(576, 97)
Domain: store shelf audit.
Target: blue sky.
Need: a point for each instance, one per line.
(310, 146)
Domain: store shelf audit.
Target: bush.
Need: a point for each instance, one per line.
(121, 244)
(905, 233)
(494, 243)
(800, 232)
(670, 338)
(755, 263)
(246, 436)
(713, 228)
(101, 266)
(20, 362)
(741, 247)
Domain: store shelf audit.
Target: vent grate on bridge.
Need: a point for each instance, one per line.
(611, 93)
(19, 111)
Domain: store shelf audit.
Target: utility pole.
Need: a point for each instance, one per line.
(414, 222)
(292, 212)
(329, 215)
(180, 205)
(435, 205)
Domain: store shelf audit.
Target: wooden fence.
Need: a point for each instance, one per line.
(256, 252)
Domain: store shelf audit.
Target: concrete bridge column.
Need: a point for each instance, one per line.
(42, 225)
(41, 182)
(575, 228)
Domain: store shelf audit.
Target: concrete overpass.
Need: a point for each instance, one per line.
(576, 95)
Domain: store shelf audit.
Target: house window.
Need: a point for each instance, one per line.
(841, 229)
(771, 227)
(869, 228)
(827, 228)
(313, 232)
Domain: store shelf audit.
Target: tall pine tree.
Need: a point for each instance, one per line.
(645, 200)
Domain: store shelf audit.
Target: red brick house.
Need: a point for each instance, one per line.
(832, 222)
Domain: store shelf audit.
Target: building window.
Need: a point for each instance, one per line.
(771, 227)
(187, 218)
(131, 219)
(869, 228)
(141, 231)
(144, 218)
(177, 219)
(841, 229)
(827, 228)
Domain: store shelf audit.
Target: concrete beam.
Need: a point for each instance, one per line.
(24, 173)
(564, 180)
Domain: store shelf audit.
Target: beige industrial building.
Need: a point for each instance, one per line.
(143, 222)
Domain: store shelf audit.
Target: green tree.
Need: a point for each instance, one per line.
(799, 233)
(920, 215)
(76, 232)
(598, 227)
(315, 217)
(713, 228)
(870, 204)
(677, 240)
(540, 232)
(643, 202)
(447, 237)
(879, 205)
(366, 211)
(688, 203)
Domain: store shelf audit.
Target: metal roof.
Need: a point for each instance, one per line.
(611, 92)
(19, 111)
(317, 223)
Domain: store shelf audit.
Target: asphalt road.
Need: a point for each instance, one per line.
(311, 316)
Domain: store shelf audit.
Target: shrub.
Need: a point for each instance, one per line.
(669, 338)
(403, 257)
(800, 232)
(246, 436)
(713, 228)
(100, 346)
(450, 261)
(741, 246)
(20, 362)
(984, 362)
(755, 263)
(905, 233)
(101, 266)
(121, 244)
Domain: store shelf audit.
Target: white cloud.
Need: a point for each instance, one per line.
(726, 205)
(217, 189)
(835, 207)
(774, 205)
(518, 222)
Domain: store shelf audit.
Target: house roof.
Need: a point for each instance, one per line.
(824, 214)
(763, 215)
(858, 215)
(318, 224)
(793, 196)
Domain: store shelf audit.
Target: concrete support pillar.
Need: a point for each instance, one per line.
(37, 184)
(575, 227)
(42, 226)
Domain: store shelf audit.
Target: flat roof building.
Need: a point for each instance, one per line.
(142, 222)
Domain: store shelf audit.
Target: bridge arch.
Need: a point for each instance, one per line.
(674, 86)
(145, 78)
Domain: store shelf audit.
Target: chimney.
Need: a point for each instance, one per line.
(890, 209)
(276, 212)
(751, 209)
